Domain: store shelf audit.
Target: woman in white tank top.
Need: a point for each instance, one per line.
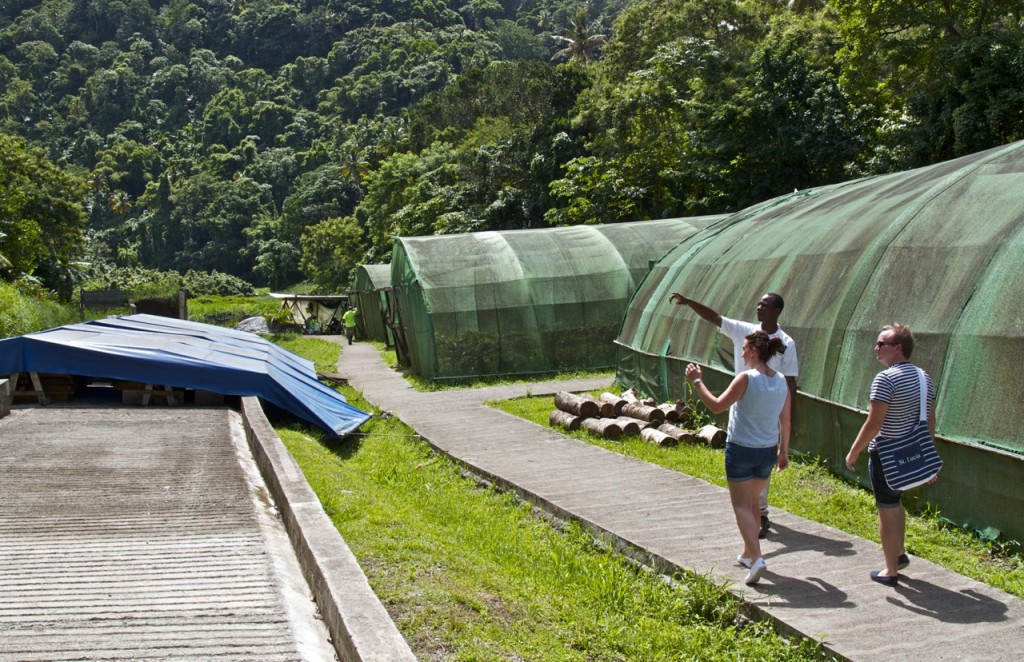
(758, 437)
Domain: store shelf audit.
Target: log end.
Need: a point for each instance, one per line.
(713, 436)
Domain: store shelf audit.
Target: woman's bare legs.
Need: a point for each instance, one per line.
(746, 507)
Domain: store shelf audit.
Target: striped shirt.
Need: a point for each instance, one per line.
(898, 386)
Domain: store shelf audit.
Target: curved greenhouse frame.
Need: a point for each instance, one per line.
(523, 301)
(370, 289)
(939, 248)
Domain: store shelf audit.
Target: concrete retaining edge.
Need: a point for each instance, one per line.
(6, 396)
(360, 627)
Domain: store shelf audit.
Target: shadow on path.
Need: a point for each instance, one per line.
(795, 540)
(966, 606)
(802, 593)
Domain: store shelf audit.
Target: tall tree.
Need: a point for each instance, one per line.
(941, 73)
(41, 217)
(330, 251)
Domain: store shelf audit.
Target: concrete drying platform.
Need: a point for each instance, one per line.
(140, 534)
(817, 583)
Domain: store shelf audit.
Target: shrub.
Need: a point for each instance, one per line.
(25, 309)
(143, 283)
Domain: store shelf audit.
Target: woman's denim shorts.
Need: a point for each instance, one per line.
(745, 463)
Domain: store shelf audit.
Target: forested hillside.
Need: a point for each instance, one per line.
(277, 140)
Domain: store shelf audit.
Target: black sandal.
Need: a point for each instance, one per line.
(884, 580)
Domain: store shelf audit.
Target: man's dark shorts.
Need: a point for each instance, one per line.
(885, 496)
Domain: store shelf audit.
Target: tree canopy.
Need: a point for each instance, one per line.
(277, 141)
(41, 221)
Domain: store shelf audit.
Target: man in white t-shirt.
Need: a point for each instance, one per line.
(768, 310)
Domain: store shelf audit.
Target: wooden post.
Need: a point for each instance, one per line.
(6, 396)
(630, 426)
(644, 412)
(617, 402)
(673, 411)
(685, 414)
(678, 433)
(712, 436)
(604, 410)
(37, 388)
(164, 392)
(631, 395)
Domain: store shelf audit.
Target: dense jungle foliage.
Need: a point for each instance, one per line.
(277, 140)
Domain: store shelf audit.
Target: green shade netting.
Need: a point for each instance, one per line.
(369, 295)
(523, 301)
(939, 248)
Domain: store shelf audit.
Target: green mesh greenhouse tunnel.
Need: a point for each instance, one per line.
(522, 301)
(939, 248)
(370, 294)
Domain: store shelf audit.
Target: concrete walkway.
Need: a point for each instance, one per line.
(817, 583)
(142, 534)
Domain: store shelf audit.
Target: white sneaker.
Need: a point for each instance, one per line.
(756, 570)
(744, 561)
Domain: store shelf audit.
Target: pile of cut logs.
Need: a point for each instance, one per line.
(612, 416)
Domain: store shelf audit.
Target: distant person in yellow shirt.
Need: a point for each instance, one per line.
(349, 318)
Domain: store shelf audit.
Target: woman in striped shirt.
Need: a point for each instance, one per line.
(894, 409)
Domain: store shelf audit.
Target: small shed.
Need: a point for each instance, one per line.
(523, 302)
(313, 311)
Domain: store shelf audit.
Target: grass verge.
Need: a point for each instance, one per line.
(228, 311)
(323, 353)
(469, 573)
(390, 358)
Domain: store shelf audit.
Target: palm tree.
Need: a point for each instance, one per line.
(354, 167)
(800, 6)
(120, 203)
(582, 38)
(544, 18)
(4, 262)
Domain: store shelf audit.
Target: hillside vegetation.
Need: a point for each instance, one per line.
(276, 140)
